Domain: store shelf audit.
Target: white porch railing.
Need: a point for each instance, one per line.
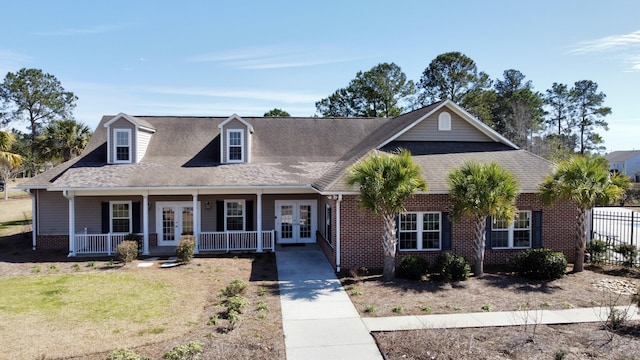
(209, 241)
(97, 243)
(235, 241)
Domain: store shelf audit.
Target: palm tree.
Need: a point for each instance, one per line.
(481, 190)
(386, 181)
(9, 162)
(64, 139)
(586, 181)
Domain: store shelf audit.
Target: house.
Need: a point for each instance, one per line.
(625, 162)
(251, 183)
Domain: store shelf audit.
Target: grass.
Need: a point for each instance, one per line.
(94, 297)
(149, 310)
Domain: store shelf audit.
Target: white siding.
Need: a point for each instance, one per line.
(633, 167)
(142, 142)
(427, 130)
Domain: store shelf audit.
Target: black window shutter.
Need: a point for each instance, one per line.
(135, 209)
(537, 229)
(219, 215)
(446, 231)
(397, 232)
(249, 217)
(487, 243)
(105, 217)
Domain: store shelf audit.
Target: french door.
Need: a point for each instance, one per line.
(173, 219)
(296, 221)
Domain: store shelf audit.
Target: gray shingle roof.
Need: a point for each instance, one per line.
(185, 152)
(616, 156)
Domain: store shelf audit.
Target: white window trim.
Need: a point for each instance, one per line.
(242, 146)
(130, 203)
(244, 214)
(420, 230)
(444, 121)
(328, 228)
(511, 230)
(115, 146)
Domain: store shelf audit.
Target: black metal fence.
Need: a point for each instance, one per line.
(616, 227)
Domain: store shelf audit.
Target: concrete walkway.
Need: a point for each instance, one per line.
(320, 321)
(318, 318)
(500, 318)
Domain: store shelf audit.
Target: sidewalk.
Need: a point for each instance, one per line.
(320, 321)
(318, 318)
(501, 318)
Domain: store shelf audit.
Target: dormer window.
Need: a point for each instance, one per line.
(235, 140)
(235, 145)
(122, 145)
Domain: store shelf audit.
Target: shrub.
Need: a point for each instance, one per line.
(186, 247)
(597, 250)
(235, 287)
(190, 351)
(233, 317)
(127, 251)
(542, 264)
(449, 268)
(236, 303)
(629, 254)
(137, 238)
(412, 267)
(125, 354)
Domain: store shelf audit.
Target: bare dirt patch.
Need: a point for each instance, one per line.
(257, 335)
(502, 291)
(575, 341)
(499, 291)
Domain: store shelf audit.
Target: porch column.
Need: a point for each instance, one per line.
(72, 222)
(259, 224)
(145, 224)
(196, 223)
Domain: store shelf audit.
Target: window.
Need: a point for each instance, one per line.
(444, 121)
(328, 232)
(120, 217)
(122, 146)
(234, 215)
(514, 235)
(235, 143)
(420, 231)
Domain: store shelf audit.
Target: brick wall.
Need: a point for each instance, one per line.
(52, 242)
(361, 231)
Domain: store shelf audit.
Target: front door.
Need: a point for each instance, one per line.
(296, 221)
(173, 219)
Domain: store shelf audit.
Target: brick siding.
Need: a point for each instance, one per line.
(361, 231)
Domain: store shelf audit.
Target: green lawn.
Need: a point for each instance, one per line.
(95, 297)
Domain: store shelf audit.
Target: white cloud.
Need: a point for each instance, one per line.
(269, 95)
(625, 47)
(274, 57)
(12, 61)
(608, 43)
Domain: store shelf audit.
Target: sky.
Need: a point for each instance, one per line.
(218, 58)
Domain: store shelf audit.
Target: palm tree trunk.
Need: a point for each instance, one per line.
(581, 240)
(478, 246)
(389, 246)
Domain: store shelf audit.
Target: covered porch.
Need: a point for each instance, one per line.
(220, 221)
